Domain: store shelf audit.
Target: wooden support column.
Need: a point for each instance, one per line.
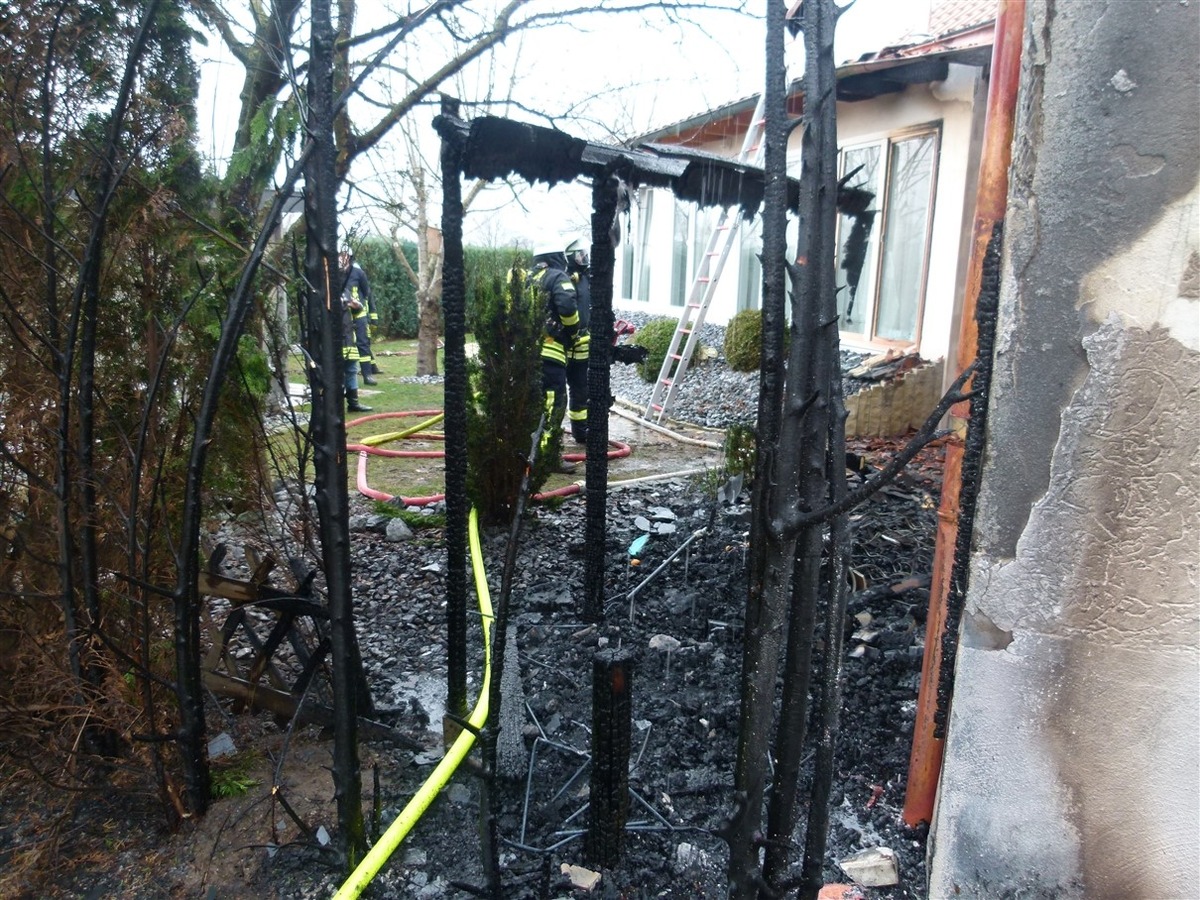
(611, 737)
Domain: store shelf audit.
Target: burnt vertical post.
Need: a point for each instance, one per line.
(608, 807)
(457, 506)
(604, 209)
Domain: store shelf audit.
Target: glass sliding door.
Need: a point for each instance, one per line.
(887, 305)
(854, 301)
(680, 276)
(906, 235)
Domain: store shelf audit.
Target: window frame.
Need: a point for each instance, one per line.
(887, 142)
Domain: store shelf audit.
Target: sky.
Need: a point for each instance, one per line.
(605, 77)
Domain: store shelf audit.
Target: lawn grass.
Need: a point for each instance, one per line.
(409, 477)
(405, 477)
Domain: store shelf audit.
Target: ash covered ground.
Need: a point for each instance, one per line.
(684, 707)
(685, 703)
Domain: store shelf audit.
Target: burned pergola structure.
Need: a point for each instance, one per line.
(492, 148)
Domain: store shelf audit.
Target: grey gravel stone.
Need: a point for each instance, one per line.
(398, 530)
(711, 393)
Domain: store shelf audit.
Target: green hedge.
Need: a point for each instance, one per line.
(391, 287)
(395, 293)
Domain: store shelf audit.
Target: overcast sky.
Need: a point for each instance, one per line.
(607, 77)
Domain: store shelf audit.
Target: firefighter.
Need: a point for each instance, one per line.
(577, 355)
(356, 284)
(353, 307)
(552, 287)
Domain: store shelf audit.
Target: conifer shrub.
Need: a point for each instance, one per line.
(506, 399)
(655, 336)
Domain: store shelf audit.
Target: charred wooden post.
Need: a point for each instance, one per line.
(608, 808)
(604, 208)
(455, 405)
(925, 762)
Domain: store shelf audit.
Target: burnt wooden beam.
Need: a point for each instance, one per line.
(608, 806)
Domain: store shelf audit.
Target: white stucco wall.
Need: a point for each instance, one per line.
(1072, 764)
(955, 104)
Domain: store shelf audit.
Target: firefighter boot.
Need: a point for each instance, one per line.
(352, 403)
(366, 369)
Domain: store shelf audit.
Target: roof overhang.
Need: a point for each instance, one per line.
(888, 71)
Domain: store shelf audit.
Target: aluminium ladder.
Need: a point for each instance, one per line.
(691, 317)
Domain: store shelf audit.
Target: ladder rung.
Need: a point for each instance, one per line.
(703, 279)
(676, 356)
(666, 381)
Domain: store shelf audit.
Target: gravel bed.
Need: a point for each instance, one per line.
(712, 394)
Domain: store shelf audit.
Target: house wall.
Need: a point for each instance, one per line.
(957, 104)
(1072, 764)
(952, 103)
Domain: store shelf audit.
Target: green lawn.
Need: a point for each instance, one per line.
(410, 477)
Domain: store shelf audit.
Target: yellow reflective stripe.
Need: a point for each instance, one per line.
(577, 415)
(579, 350)
(572, 319)
(552, 350)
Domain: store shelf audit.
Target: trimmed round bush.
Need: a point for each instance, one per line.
(655, 336)
(743, 341)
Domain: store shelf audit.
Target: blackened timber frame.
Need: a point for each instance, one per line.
(491, 148)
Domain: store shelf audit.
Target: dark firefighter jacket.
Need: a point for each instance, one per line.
(355, 289)
(583, 294)
(554, 289)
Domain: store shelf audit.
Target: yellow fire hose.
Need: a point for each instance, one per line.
(411, 814)
(377, 439)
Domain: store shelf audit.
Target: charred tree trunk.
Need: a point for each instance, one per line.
(329, 427)
(774, 486)
(814, 385)
(87, 299)
(456, 424)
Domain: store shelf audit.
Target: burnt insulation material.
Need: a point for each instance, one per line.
(498, 147)
(986, 310)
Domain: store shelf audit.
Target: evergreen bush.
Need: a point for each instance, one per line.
(505, 383)
(743, 341)
(740, 448)
(655, 336)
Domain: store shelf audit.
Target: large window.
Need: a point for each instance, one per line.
(680, 277)
(645, 208)
(750, 269)
(887, 302)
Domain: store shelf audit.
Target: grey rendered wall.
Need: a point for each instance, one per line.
(1072, 760)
